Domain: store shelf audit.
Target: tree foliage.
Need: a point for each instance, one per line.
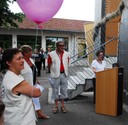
(7, 17)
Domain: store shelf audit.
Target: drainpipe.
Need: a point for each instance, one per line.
(74, 37)
(103, 13)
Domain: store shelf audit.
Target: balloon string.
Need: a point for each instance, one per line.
(36, 36)
(42, 34)
(35, 48)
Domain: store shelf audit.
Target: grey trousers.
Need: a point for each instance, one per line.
(59, 87)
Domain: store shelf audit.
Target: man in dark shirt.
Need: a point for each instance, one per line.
(38, 61)
(43, 57)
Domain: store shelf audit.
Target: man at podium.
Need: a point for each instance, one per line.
(97, 65)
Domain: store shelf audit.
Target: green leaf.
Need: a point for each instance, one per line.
(9, 19)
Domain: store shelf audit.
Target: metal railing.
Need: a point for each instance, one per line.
(81, 72)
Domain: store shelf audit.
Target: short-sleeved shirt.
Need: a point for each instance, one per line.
(98, 66)
(19, 109)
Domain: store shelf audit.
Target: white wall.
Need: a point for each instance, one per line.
(98, 8)
(14, 40)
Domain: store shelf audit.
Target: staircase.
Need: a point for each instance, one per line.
(80, 72)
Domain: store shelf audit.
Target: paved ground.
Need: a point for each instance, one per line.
(81, 111)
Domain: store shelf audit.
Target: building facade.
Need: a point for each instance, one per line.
(44, 35)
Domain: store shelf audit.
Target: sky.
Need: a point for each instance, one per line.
(70, 9)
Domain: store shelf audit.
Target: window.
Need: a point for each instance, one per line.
(6, 41)
(33, 41)
(81, 47)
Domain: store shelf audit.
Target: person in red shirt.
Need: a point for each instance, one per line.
(58, 62)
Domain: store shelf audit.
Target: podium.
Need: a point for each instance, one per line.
(109, 91)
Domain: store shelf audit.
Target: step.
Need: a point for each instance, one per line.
(88, 75)
(81, 81)
(110, 61)
(78, 91)
(81, 76)
(88, 84)
(71, 86)
(80, 62)
(77, 80)
(89, 70)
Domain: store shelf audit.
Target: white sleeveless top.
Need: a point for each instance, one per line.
(19, 110)
(55, 66)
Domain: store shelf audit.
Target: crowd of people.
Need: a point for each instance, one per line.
(21, 89)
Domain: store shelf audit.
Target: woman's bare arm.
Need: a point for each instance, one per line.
(26, 89)
(94, 69)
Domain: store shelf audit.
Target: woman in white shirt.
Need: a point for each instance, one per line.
(30, 75)
(16, 92)
(98, 65)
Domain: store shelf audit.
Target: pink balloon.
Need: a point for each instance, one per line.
(40, 11)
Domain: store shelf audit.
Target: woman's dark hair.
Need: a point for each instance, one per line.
(8, 55)
(98, 52)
